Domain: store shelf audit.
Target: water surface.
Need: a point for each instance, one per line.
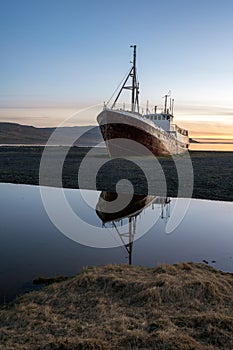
(32, 246)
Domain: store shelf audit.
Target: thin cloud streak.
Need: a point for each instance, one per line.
(204, 110)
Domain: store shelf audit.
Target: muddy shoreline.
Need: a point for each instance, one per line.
(213, 171)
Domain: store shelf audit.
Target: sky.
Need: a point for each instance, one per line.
(62, 58)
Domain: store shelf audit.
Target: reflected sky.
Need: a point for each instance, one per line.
(32, 246)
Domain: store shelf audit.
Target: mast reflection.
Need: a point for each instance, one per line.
(131, 213)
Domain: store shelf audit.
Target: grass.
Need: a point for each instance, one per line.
(181, 306)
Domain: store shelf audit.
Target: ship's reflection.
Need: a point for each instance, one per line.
(131, 213)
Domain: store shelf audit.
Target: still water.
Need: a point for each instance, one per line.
(32, 245)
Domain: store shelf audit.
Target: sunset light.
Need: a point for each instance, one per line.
(77, 57)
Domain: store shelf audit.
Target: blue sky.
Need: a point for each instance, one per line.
(71, 53)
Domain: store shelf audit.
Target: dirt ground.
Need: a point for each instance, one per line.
(213, 171)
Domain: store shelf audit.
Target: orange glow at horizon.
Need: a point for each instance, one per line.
(211, 147)
(204, 126)
(208, 130)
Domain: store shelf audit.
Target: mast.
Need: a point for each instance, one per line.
(165, 103)
(130, 244)
(134, 87)
(127, 238)
(134, 82)
(172, 106)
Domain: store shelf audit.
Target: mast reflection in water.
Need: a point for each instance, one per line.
(132, 212)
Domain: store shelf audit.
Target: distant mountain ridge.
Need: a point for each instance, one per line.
(18, 134)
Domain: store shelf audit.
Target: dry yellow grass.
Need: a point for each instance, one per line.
(182, 306)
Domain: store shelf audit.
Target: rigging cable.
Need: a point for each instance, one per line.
(118, 86)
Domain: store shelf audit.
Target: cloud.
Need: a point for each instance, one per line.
(203, 110)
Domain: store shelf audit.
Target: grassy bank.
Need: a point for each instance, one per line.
(213, 176)
(183, 306)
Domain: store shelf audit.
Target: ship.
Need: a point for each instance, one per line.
(133, 208)
(156, 132)
(130, 213)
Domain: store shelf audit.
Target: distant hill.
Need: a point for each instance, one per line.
(12, 133)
